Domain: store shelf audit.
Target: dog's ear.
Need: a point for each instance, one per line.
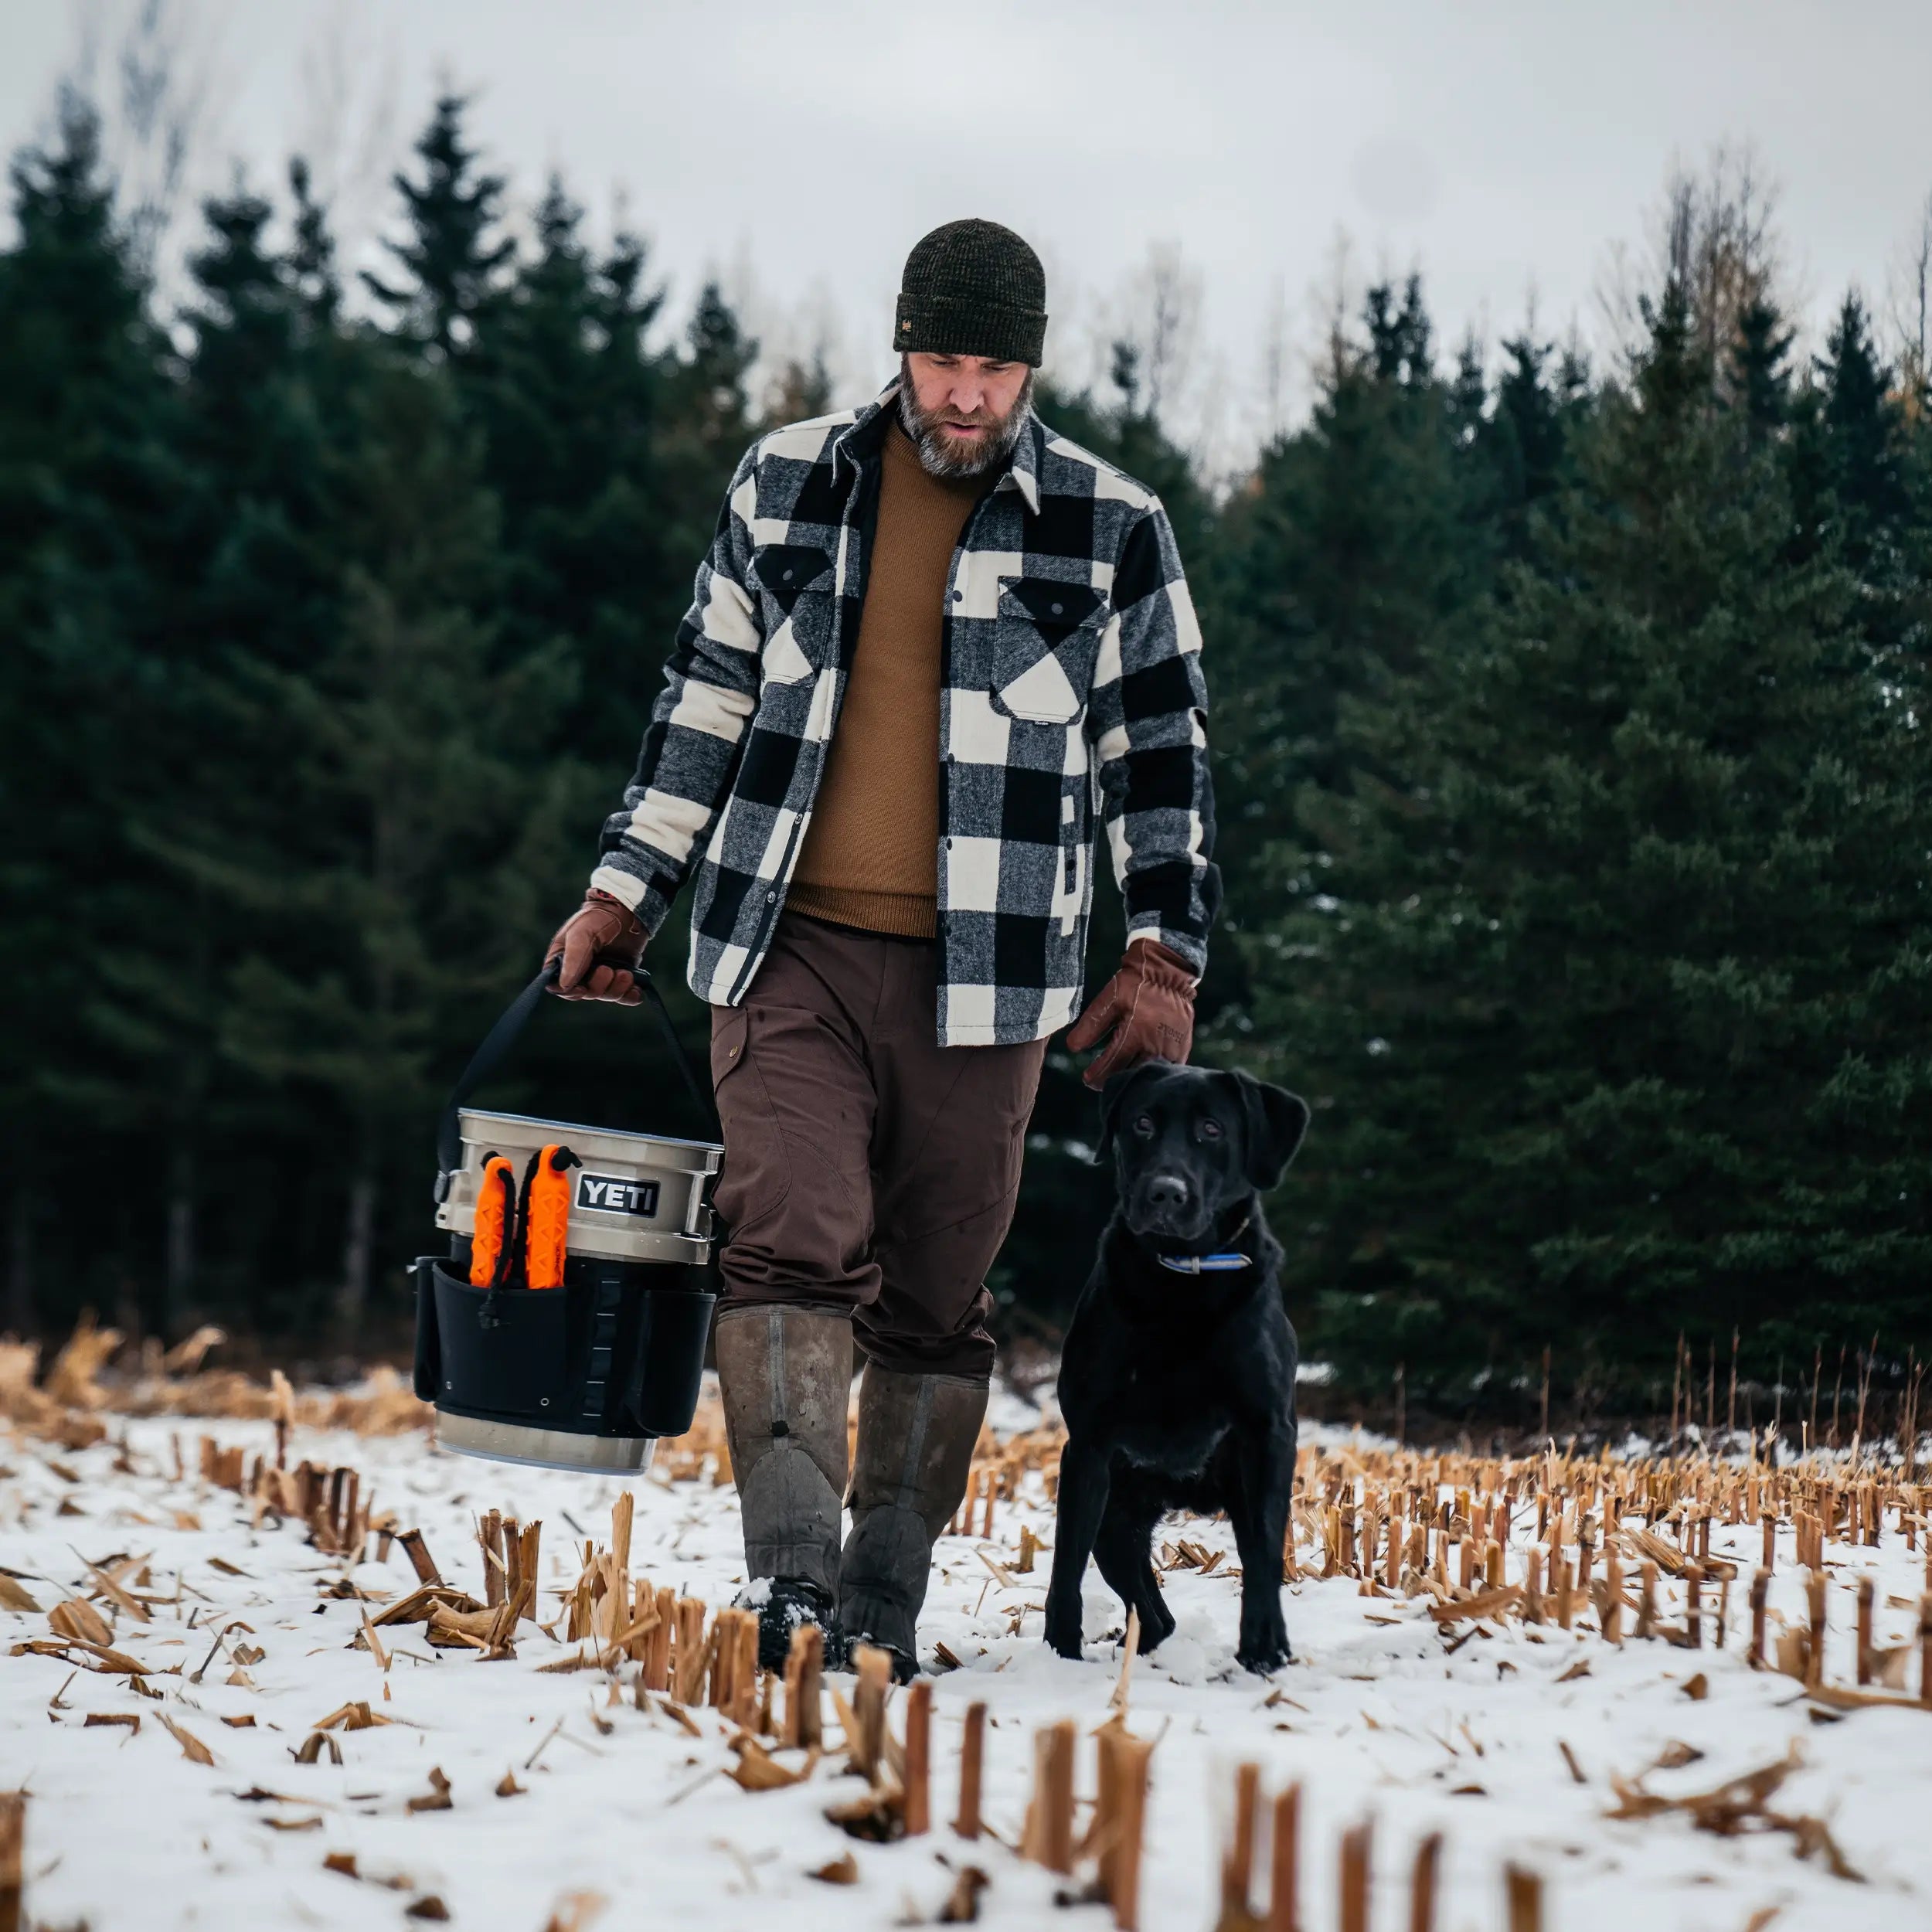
(1276, 1120)
(1113, 1095)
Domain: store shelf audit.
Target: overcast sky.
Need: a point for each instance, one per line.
(797, 150)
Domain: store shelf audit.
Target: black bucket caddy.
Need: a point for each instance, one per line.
(588, 1375)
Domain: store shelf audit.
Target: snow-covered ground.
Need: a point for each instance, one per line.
(625, 1819)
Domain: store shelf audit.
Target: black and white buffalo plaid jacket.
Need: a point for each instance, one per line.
(1072, 690)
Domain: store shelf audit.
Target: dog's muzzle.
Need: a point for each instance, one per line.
(1168, 1207)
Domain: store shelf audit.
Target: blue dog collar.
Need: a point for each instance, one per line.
(1204, 1263)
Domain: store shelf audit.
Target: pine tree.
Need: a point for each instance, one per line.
(1520, 448)
(311, 259)
(1861, 422)
(90, 499)
(249, 582)
(1759, 373)
(1357, 540)
(397, 881)
(453, 259)
(572, 405)
(1591, 969)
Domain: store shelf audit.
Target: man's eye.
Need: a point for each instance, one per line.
(1143, 1125)
(1210, 1130)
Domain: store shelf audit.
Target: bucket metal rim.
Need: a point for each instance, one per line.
(583, 1454)
(712, 1148)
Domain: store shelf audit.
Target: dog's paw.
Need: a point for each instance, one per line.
(1263, 1645)
(1155, 1630)
(1063, 1632)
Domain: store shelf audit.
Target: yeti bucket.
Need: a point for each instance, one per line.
(589, 1372)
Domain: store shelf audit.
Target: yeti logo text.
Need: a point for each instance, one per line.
(614, 1195)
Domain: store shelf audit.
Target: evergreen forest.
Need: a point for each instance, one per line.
(1574, 802)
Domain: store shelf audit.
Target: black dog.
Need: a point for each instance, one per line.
(1177, 1383)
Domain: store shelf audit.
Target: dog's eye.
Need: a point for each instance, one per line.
(1143, 1125)
(1210, 1130)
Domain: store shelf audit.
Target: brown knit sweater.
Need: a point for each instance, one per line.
(870, 857)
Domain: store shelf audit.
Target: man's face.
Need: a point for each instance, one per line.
(963, 412)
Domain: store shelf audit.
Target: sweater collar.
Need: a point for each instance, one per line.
(859, 444)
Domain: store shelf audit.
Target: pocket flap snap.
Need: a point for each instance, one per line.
(1053, 608)
(786, 571)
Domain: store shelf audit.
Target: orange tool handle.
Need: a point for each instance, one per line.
(496, 1197)
(546, 1217)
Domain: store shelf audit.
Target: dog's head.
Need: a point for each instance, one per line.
(1190, 1142)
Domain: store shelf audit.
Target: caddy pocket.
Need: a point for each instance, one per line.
(518, 1365)
(429, 1359)
(669, 1364)
(617, 1350)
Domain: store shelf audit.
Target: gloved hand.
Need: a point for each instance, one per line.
(1146, 1009)
(600, 945)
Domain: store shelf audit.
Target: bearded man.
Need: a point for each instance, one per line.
(934, 648)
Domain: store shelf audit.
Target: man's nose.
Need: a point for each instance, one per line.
(1167, 1191)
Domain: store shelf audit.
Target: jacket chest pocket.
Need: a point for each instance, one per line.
(1048, 639)
(794, 584)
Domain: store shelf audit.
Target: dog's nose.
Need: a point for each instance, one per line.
(1166, 1191)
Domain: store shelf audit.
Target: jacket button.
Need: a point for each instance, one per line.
(786, 578)
(1056, 608)
(771, 898)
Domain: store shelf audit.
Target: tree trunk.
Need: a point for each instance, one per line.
(19, 1318)
(178, 1277)
(351, 1297)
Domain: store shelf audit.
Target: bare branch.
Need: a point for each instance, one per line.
(349, 127)
(1716, 233)
(1275, 365)
(150, 73)
(1335, 301)
(1909, 284)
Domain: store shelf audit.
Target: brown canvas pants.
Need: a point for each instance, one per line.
(868, 1170)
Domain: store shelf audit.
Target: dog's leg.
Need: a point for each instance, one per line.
(1263, 1493)
(1122, 1549)
(1082, 1504)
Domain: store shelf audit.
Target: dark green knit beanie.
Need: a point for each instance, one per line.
(973, 288)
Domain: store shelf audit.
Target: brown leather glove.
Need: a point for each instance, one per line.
(1147, 1008)
(600, 945)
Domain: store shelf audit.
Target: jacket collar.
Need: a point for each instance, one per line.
(858, 443)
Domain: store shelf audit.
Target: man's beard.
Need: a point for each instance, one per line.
(943, 455)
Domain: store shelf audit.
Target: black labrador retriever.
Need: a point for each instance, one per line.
(1177, 1381)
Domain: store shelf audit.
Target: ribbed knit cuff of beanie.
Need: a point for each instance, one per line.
(972, 288)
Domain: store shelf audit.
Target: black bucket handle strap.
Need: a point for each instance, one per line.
(496, 1047)
(701, 1097)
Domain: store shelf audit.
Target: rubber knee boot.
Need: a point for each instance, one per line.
(916, 1438)
(785, 1375)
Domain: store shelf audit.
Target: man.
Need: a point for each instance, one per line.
(933, 646)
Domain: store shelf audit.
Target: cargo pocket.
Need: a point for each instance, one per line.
(756, 1174)
(969, 1163)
